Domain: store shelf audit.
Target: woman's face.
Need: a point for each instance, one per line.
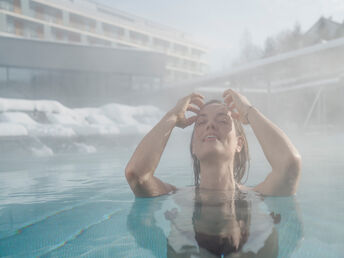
(214, 134)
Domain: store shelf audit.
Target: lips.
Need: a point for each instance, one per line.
(210, 137)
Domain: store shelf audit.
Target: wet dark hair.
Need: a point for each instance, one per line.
(241, 159)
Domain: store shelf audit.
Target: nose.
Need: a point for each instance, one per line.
(210, 125)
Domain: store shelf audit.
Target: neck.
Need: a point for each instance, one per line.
(217, 176)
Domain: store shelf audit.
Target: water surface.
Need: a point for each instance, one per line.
(81, 205)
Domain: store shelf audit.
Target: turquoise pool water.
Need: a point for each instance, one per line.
(80, 205)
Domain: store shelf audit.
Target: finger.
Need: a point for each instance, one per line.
(191, 98)
(197, 101)
(235, 242)
(189, 121)
(231, 93)
(193, 109)
(194, 94)
(232, 107)
(235, 115)
(227, 92)
(197, 97)
(228, 99)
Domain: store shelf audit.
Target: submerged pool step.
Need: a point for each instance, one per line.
(54, 231)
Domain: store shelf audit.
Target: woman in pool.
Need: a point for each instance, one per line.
(218, 147)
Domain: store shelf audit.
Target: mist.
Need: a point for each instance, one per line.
(82, 82)
(290, 69)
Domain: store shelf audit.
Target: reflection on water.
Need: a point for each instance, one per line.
(203, 223)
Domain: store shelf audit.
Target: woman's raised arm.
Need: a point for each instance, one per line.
(282, 155)
(141, 167)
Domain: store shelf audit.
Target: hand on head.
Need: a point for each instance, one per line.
(193, 103)
(238, 105)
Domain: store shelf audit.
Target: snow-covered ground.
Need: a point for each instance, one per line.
(46, 119)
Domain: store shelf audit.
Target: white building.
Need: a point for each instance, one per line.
(87, 23)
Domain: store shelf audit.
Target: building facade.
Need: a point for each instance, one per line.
(87, 23)
(77, 75)
(301, 89)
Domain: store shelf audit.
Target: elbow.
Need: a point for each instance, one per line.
(129, 173)
(134, 175)
(292, 174)
(295, 163)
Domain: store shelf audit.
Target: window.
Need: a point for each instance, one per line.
(18, 26)
(161, 44)
(20, 75)
(59, 35)
(73, 37)
(33, 30)
(16, 6)
(145, 83)
(3, 74)
(138, 37)
(196, 53)
(113, 31)
(82, 23)
(7, 5)
(10, 26)
(180, 49)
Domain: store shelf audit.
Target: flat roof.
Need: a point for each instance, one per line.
(331, 48)
(27, 53)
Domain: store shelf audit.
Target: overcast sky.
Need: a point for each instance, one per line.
(220, 24)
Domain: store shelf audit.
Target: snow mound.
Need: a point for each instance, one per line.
(47, 118)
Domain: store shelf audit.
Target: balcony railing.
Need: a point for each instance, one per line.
(47, 17)
(114, 35)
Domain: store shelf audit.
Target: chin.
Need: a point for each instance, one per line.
(213, 154)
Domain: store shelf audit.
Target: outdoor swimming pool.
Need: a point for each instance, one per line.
(80, 204)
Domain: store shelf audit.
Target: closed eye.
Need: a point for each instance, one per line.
(202, 122)
(224, 120)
